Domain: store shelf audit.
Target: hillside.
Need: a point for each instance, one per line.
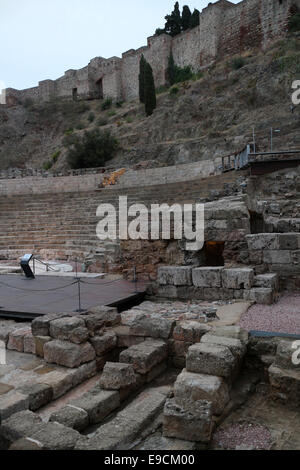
(209, 116)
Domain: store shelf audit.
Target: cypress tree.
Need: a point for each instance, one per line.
(174, 22)
(186, 18)
(142, 79)
(150, 94)
(195, 19)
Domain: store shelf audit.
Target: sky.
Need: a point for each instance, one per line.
(41, 39)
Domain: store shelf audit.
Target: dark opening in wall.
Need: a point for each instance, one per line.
(257, 223)
(75, 94)
(214, 253)
(99, 84)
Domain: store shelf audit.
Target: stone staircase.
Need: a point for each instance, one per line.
(64, 226)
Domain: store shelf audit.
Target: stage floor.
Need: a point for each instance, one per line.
(28, 298)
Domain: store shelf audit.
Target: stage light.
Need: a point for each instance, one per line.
(25, 266)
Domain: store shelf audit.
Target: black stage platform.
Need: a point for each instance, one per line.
(24, 298)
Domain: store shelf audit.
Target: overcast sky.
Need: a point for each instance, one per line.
(41, 39)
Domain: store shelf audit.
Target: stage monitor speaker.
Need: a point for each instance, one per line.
(25, 266)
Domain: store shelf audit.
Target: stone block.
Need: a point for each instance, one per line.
(117, 375)
(263, 241)
(11, 403)
(125, 339)
(277, 257)
(19, 425)
(26, 443)
(178, 348)
(192, 425)
(109, 315)
(29, 343)
(267, 281)
(166, 292)
(238, 278)
(262, 295)
(68, 354)
(211, 359)
(72, 417)
(105, 343)
(190, 387)
(285, 385)
(97, 403)
(38, 394)
(40, 326)
(83, 373)
(145, 324)
(69, 329)
(207, 277)
(190, 331)
(237, 348)
(55, 436)
(284, 356)
(232, 331)
(16, 339)
(289, 241)
(213, 294)
(175, 275)
(145, 356)
(40, 342)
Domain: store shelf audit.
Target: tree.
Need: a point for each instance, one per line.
(171, 71)
(174, 22)
(195, 19)
(150, 95)
(91, 150)
(186, 18)
(142, 79)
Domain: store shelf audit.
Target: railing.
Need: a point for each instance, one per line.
(236, 161)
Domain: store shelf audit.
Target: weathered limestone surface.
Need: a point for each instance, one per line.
(69, 329)
(238, 278)
(146, 355)
(190, 387)
(207, 277)
(109, 315)
(68, 354)
(19, 425)
(98, 403)
(194, 424)
(40, 342)
(105, 343)
(11, 403)
(285, 385)
(16, 339)
(117, 375)
(55, 436)
(190, 331)
(269, 281)
(211, 359)
(143, 324)
(237, 348)
(38, 394)
(284, 356)
(40, 326)
(175, 275)
(72, 417)
(127, 426)
(232, 331)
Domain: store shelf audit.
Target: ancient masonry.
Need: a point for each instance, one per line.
(225, 29)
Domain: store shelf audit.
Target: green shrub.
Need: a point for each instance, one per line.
(69, 140)
(102, 121)
(119, 104)
(237, 63)
(161, 89)
(129, 119)
(91, 117)
(93, 149)
(294, 22)
(107, 104)
(47, 165)
(80, 126)
(55, 156)
(69, 131)
(174, 90)
(289, 63)
(111, 113)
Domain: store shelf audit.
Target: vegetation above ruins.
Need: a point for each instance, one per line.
(294, 23)
(147, 91)
(91, 150)
(177, 22)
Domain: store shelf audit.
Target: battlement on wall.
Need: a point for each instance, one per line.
(225, 29)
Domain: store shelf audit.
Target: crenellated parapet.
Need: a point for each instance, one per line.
(225, 29)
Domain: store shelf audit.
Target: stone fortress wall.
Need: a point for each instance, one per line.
(225, 29)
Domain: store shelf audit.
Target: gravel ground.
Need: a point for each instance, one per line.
(243, 436)
(283, 317)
